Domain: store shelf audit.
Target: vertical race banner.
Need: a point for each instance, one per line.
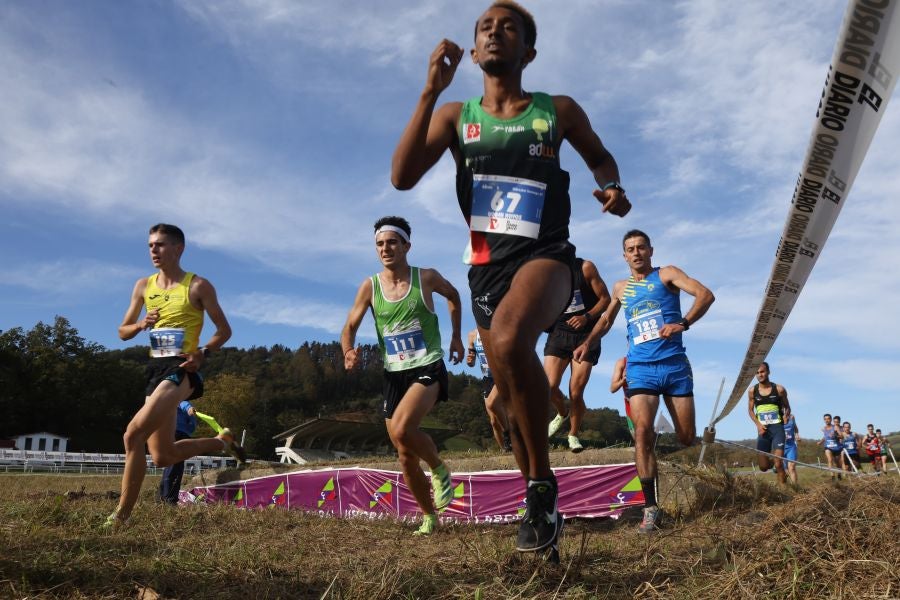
(858, 86)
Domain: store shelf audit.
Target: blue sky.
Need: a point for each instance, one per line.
(264, 128)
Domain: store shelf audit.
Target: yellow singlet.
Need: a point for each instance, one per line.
(178, 329)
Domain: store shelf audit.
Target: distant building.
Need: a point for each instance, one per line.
(41, 442)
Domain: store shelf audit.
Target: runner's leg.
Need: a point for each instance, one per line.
(578, 380)
(537, 295)
(412, 443)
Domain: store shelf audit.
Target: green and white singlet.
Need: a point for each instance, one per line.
(408, 331)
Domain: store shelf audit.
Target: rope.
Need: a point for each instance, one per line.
(796, 462)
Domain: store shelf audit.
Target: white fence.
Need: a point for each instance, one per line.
(93, 462)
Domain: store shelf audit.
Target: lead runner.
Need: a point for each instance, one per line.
(515, 199)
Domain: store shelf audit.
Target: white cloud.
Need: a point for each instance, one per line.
(60, 278)
(273, 309)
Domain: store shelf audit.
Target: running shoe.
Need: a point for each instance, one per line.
(650, 520)
(541, 523)
(113, 522)
(232, 447)
(555, 424)
(441, 486)
(428, 523)
(575, 445)
(507, 442)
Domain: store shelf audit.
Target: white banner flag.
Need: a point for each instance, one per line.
(857, 89)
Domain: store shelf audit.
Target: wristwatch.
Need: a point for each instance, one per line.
(684, 323)
(613, 185)
(206, 351)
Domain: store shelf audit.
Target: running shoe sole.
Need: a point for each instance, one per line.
(560, 521)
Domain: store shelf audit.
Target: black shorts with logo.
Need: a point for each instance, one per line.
(489, 283)
(562, 343)
(396, 383)
(487, 384)
(167, 369)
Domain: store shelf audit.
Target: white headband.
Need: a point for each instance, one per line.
(396, 230)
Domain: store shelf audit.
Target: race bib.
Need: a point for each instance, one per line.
(831, 444)
(769, 417)
(166, 341)
(401, 346)
(645, 327)
(850, 444)
(507, 205)
(577, 303)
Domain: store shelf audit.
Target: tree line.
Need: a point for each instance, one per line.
(52, 379)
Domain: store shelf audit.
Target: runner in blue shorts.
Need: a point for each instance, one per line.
(656, 362)
(791, 438)
(493, 403)
(850, 441)
(768, 407)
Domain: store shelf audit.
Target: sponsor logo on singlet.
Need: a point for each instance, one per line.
(471, 132)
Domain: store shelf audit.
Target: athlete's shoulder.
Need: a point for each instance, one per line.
(453, 108)
(200, 283)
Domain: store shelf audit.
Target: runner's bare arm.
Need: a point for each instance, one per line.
(603, 324)
(130, 326)
(785, 403)
(428, 132)
(203, 296)
(760, 428)
(470, 353)
(592, 277)
(575, 126)
(354, 319)
(209, 301)
(432, 280)
(618, 376)
(672, 276)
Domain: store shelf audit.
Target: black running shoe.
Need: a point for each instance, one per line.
(542, 522)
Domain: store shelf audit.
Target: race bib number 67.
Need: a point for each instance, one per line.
(507, 205)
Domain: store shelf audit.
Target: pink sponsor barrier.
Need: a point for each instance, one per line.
(482, 497)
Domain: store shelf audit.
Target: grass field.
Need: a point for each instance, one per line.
(727, 538)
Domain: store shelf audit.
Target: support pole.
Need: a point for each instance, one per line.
(709, 433)
(850, 460)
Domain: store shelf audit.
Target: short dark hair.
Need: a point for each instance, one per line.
(635, 233)
(837, 417)
(826, 415)
(396, 222)
(527, 19)
(173, 231)
(869, 425)
(847, 423)
(877, 431)
(766, 365)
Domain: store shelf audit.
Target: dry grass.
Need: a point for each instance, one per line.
(728, 538)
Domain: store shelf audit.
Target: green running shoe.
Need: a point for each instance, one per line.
(441, 486)
(428, 524)
(232, 447)
(555, 424)
(575, 445)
